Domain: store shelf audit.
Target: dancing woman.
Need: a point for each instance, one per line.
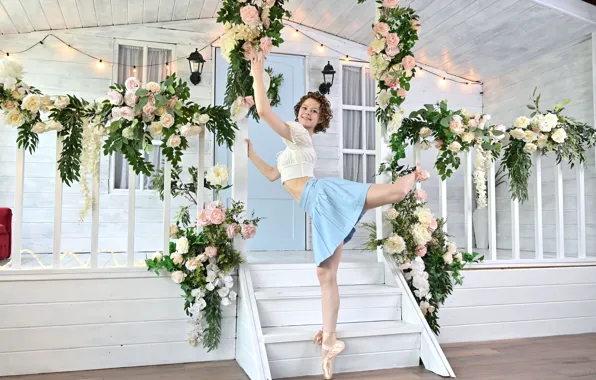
(335, 205)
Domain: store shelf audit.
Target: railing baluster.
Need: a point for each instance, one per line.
(468, 200)
(95, 217)
(240, 174)
(416, 149)
(581, 212)
(560, 212)
(58, 190)
(539, 243)
(515, 229)
(17, 241)
(492, 212)
(167, 205)
(201, 172)
(132, 179)
(443, 202)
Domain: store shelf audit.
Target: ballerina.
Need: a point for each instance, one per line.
(335, 205)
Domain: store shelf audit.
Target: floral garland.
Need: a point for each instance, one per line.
(203, 259)
(392, 62)
(545, 132)
(252, 29)
(419, 245)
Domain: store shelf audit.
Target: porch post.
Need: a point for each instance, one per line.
(240, 174)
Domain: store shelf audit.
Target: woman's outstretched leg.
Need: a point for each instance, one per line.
(386, 194)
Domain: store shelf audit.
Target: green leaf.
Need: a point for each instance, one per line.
(141, 92)
(142, 102)
(530, 106)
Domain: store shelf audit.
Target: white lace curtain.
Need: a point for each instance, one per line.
(128, 57)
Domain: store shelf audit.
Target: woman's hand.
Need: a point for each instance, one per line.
(250, 148)
(257, 66)
(421, 175)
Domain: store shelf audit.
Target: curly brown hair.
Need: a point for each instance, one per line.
(325, 115)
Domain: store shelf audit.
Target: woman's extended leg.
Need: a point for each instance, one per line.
(385, 194)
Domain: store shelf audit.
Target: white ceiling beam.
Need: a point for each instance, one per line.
(575, 8)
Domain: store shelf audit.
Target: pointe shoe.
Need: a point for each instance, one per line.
(327, 363)
(318, 339)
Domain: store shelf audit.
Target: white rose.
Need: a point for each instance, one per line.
(421, 234)
(115, 98)
(530, 136)
(153, 87)
(174, 141)
(454, 147)
(521, 122)
(32, 103)
(14, 118)
(156, 129)
(448, 258)
(468, 137)
(190, 130)
(177, 258)
(391, 213)
(425, 132)
(130, 99)
(61, 102)
(559, 135)
(395, 244)
(128, 133)
(218, 175)
(178, 276)
(167, 120)
(551, 119)
(486, 117)
(518, 134)
(158, 256)
(182, 245)
(530, 147)
(53, 125)
(204, 119)
(39, 127)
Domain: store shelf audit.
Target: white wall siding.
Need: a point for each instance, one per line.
(520, 303)
(561, 74)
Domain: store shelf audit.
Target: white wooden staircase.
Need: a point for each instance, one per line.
(284, 302)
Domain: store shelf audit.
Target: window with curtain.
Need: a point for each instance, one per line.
(150, 67)
(358, 119)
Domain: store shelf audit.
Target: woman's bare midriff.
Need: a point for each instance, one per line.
(295, 186)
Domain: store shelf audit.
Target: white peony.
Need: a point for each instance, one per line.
(383, 98)
(421, 234)
(14, 118)
(391, 213)
(424, 215)
(395, 244)
(530, 147)
(551, 120)
(559, 135)
(153, 87)
(178, 276)
(518, 134)
(521, 122)
(218, 175)
(32, 103)
(204, 119)
(182, 245)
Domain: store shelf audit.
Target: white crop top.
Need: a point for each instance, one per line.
(299, 158)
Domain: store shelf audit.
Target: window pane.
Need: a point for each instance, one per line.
(370, 168)
(353, 169)
(129, 56)
(352, 121)
(370, 131)
(156, 60)
(370, 89)
(156, 158)
(352, 85)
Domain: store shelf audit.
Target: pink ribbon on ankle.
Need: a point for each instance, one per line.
(248, 100)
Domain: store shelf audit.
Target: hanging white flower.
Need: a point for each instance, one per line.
(233, 295)
(218, 175)
(223, 292)
(182, 245)
(226, 302)
(211, 276)
(9, 68)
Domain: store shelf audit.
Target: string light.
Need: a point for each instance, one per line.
(134, 69)
(321, 48)
(100, 64)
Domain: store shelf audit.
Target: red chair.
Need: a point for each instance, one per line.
(5, 232)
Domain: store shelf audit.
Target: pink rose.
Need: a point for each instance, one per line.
(204, 218)
(232, 230)
(127, 113)
(211, 251)
(148, 117)
(248, 231)
(149, 108)
(132, 84)
(392, 51)
(172, 102)
(270, 3)
(217, 216)
(424, 175)
(391, 83)
(421, 195)
(249, 15)
(174, 141)
(151, 99)
(438, 143)
(213, 205)
(250, 101)
(408, 62)
(421, 251)
(130, 99)
(405, 266)
(116, 113)
(381, 28)
(266, 45)
(392, 39)
(402, 93)
(115, 98)
(371, 51)
(433, 225)
(390, 3)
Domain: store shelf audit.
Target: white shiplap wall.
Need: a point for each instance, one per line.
(561, 74)
(520, 303)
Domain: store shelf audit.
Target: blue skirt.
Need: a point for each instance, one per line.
(335, 206)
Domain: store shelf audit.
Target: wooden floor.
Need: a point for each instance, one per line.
(553, 358)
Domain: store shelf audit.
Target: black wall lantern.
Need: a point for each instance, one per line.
(196, 62)
(328, 75)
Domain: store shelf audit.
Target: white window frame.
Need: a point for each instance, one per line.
(363, 110)
(173, 69)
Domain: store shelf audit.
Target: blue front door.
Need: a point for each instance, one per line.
(285, 225)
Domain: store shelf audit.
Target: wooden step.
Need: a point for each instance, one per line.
(302, 305)
(293, 275)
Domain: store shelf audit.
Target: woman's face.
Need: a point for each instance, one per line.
(309, 113)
